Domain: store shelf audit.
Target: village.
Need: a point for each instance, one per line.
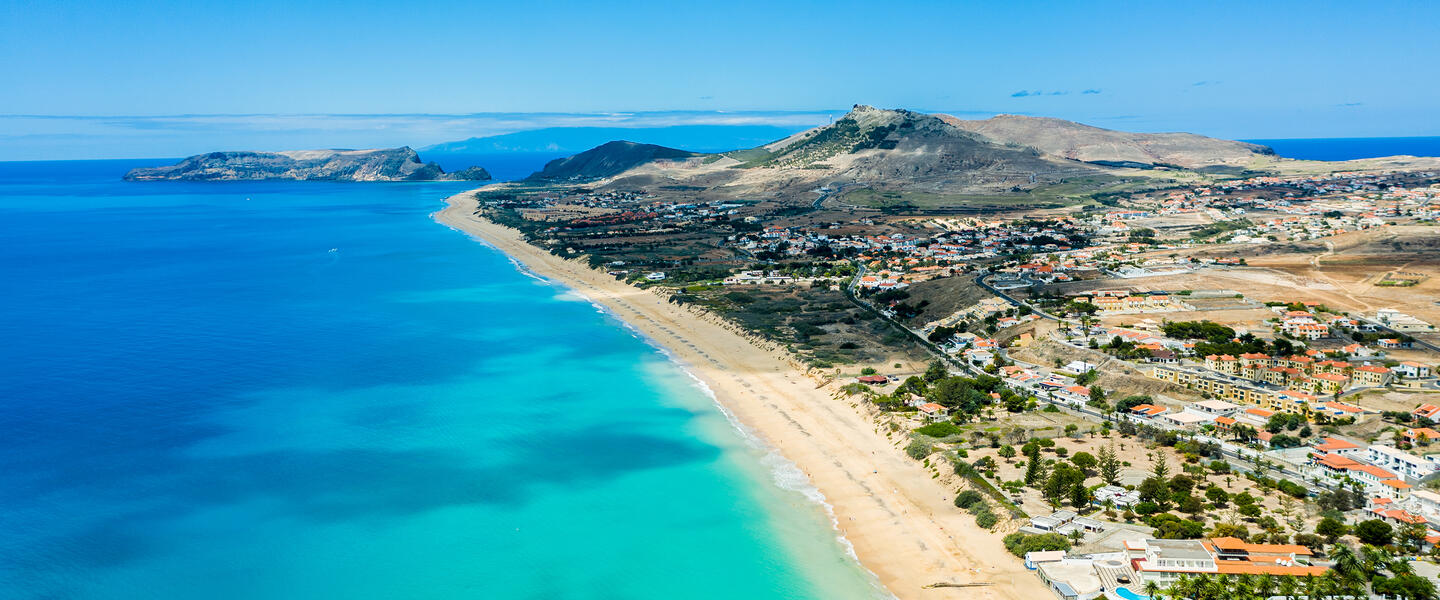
(1072, 377)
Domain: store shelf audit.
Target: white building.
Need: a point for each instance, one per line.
(1215, 408)
(1412, 370)
(1400, 462)
(1185, 419)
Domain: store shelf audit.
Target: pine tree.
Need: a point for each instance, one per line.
(1034, 470)
(1109, 465)
(1161, 469)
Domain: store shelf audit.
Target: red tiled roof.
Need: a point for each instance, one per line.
(1332, 444)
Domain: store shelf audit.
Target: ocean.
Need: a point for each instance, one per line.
(311, 390)
(1352, 148)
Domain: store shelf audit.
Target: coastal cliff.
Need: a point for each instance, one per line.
(393, 164)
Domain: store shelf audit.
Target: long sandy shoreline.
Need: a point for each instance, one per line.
(901, 521)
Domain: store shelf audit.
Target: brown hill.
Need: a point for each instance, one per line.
(1081, 142)
(605, 160)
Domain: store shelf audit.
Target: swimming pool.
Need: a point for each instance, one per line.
(1129, 595)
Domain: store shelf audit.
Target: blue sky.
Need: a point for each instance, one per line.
(165, 78)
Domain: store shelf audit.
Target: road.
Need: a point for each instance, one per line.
(1417, 342)
(980, 281)
(1238, 457)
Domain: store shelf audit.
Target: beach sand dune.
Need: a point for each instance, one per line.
(901, 522)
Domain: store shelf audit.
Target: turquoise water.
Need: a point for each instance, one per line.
(312, 390)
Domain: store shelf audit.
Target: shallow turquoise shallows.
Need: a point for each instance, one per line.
(312, 390)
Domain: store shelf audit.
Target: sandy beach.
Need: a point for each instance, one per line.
(901, 521)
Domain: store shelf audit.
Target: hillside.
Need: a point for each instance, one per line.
(605, 160)
(1081, 142)
(394, 164)
(901, 161)
(876, 157)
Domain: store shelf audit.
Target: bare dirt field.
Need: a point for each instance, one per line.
(1395, 400)
(1340, 271)
(1251, 319)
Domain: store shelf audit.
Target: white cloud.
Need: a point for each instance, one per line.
(44, 137)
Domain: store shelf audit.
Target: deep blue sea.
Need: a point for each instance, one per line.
(1352, 148)
(312, 390)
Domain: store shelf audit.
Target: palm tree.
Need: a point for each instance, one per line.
(1152, 590)
(1287, 587)
(1245, 587)
(1266, 587)
(1346, 563)
(1183, 587)
(1311, 585)
(1373, 560)
(1400, 566)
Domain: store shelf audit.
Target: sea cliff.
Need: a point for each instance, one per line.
(393, 164)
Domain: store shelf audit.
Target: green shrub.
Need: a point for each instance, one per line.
(986, 519)
(1019, 544)
(968, 498)
(940, 430)
(918, 450)
(740, 297)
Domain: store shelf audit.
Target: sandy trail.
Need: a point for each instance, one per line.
(902, 523)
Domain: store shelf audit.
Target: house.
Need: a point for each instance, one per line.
(1052, 521)
(1214, 407)
(1426, 503)
(1358, 351)
(1254, 359)
(1371, 375)
(1254, 417)
(1427, 411)
(656, 276)
(1308, 331)
(1079, 366)
(1338, 447)
(1123, 498)
(1342, 410)
(1077, 394)
(1391, 343)
(979, 357)
(1421, 436)
(1223, 363)
(1034, 559)
(1334, 464)
(873, 379)
(934, 412)
(1146, 412)
(1164, 357)
(1185, 419)
(1064, 521)
(1328, 383)
(1397, 516)
(1412, 370)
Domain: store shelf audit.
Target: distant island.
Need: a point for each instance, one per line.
(392, 164)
